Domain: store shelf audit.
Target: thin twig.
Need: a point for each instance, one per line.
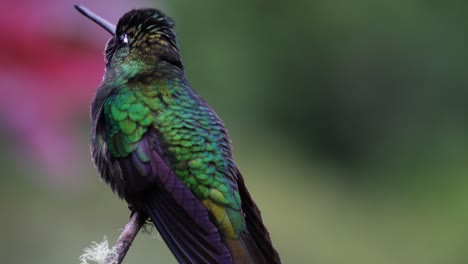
(125, 240)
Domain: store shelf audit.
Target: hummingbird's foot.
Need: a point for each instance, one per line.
(132, 210)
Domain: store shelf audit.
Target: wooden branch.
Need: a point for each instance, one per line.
(125, 240)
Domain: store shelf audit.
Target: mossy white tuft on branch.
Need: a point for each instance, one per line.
(99, 253)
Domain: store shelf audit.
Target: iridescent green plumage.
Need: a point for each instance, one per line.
(163, 149)
(193, 135)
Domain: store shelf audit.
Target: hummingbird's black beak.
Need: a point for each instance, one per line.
(100, 21)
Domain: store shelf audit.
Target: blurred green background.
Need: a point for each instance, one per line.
(347, 119)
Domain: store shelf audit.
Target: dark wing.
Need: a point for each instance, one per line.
(139, 172)
(253, 219)
(180, 218)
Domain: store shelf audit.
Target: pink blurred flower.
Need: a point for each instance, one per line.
(49, 69)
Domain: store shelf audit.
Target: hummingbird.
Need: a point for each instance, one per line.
(163, 149)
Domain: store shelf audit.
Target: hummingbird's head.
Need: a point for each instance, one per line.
(143, 36)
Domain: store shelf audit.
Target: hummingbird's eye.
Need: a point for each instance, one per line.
(123, 38)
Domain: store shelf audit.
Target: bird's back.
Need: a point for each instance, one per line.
(169, 116)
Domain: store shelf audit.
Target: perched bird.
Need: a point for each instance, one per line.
(160, 147)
